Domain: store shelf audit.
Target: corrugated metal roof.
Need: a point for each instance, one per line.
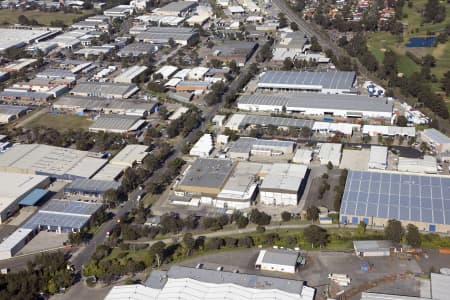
(33, 197)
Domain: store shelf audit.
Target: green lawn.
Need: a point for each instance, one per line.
(44, 18)
(60, 122)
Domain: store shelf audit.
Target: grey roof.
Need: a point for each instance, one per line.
(276, 121)
(69, 207)
(439, 286)
(321, 101)
(378, 296)
(280, 257)
(327, 80)
(61, 73)
(105, 104)
(91, 185)
(208, 172)
(137, 49)
(366, 246)
(245, 280)
(245, 144)
(163, 34)
(178, 6)
(11, 109)
(55, 220)
(235, 48)
(34, 95)
(436, 136)
(114, 122)
(398, 196)
(104, 89)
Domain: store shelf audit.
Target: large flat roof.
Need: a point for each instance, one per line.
(400, 196)
(279, 257)
(436, 136)
(16, 185)
(11, 109)
(284, 178)
(365, 246)
(130, 155)
(114, 122)
(323, 80)
(208, 172)
(91, 185)
(20, 37)
(51, 160)
(97, 104)
(299, 101)
(177, 6)
(105, 89)
(69, 207)
(243, 120)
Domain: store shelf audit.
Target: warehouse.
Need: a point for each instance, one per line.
(105, 106)
(9, 113)
(328, 127)
(13, 243)
(239, 51)
(166, 71)
(303, 156)
(25, 97)
(128, 75)
(374, 130)
(15, 187)
(206, 176)
(378, 157)
(436, 139)
(19, 37)
(130, 156)
(277, 260)
(348, 106)
(283, 184)
(191, 283)
(57, 162)
(241, 121)
(330, 152)
(178, 113)
(376, 197)
(109, 173)
(62, 216)
(90, 188)
(427, 165)
(137, 49)
(372, 248)
(104, 89)
(192, 86)
(121, 124)
(239, 192)
(176, 9)
(161, 35)
(335, 82)
(203, 147)
(246, 146)
(19, 65)
(119, 11)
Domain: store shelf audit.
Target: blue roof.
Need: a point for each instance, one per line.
(33, 197)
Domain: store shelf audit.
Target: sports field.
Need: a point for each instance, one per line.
(43, 18)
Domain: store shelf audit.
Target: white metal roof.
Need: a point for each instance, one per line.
(436, 136)
(166, 71)
(303, 156)
(130, 155)
(439, 286)
(388, 130)
(330, 152)
(378, 157)
(345, 128)
(426, 165)
(130, 73)
(15, 238)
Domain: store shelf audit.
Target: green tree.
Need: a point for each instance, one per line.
(394, 231)
(52, 286)
(402, 121)
(316, 236)
(361, 228)
(188, 243)
(413, 237)
(286, 216)
(283, 22)
(330, 165)
(315, 46)
(294, 26)
(312, 213)
(110, 197)
(157, 250)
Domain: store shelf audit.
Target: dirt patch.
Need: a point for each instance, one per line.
(313, 198)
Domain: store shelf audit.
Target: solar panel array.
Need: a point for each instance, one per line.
(418, 198)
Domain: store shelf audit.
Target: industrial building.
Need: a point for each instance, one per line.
(244, 147)
(241, 121)
(128, 75)
(303, 156)
(192, 86)
(328, 127)
(374, 130)
(206, 176)
(13, 243)
(18, 38)
(19, 65)
(277, 260)
(119, 11)
(290, 44)
(436, 139)
(57, 162)
(348, 106)
(176, 9)
(89, 188)
(334, 82)
(77, 104)
(9, 113)
(121, 124)
(284, 184)
(105, 90)
(130, 156)
(192, 283)
(203, 147)
(161, 35)
(373, 248)
(25, 97)
(166, 71)
(376, 197)
(239, 51)
(240, 190)
(427, 165)
(109, 172)
(137, 49)
(16, 187)
(330, 152)
(378, 157)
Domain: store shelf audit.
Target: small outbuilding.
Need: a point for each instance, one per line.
(373, 248)
(277, 260)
